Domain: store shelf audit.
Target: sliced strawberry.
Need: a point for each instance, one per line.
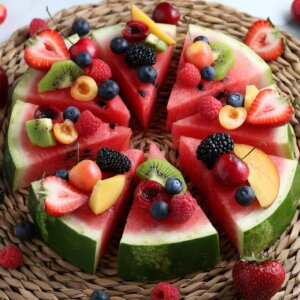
(44, 49)
(269, 109)
(61, 197)
(265, 39)
(37, 25)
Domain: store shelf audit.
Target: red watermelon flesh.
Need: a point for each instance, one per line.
(154, 151)
(112, 111)
(140, 97)
(248, 69)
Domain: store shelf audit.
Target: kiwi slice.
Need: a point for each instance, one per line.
(154, 42)
(223, 59)
(61, 75)
(71, 40)
(159, 170)
(39, 132)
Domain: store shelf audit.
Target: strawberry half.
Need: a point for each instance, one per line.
(44, 49)
(265, 39)
(61, 197)
(269, 109)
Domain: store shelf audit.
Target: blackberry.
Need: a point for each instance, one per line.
(110, 160)
(213, 146)
(138, 55)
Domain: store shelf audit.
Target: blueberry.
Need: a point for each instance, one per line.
(201, 38)
(83, 59)
(159, 210)
(99, 295)
(208, 73)
(81, 27)
(72, 113)
(62, 173)
(25, 230)
(147, 74)
(235, 100)
(2, 195)
(108, 89)
(173, 186)
(244, 195)
(119, 45)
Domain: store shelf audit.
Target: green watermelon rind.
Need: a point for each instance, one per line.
(163, 262)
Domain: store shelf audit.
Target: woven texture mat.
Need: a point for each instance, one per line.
(44, 274)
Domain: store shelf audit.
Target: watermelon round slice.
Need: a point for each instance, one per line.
(140, 97)
(112, 111)
(248, 69)
(83, 236)
(252, 228)
(159, 250)
(25, 162)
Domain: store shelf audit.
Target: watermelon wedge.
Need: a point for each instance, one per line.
(25, 162)
(112, 111)
(140, 97)
(183, 100)
(159, 250)
(250, 228)
(83, 236)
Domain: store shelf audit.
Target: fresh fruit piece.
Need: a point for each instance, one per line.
(189, 75)
(231, 170)
(235, 100)
(99, 295)
(36, 25)
(62, 173)
(47, 111)
(108, 89)
(258, 280)
(2, 195)
(61, 75)
(232, 117)
(87, 124)
(244, 195)
(81, 27)
(106, 192)
(39, 132)
(173, 186)
(138, 55)
(85, 175)
(263, 176)
(269, 109)
(147, 74)
(250, 95)
(135, 31)
(209, 107)
(98, 70)
(159, 170)
(165, 290)
(83, 59)
(65, 132)
(3, 87)
(295, 10)
(3, 13)
(84, 45)
(265, 39)
(201, 38)
(113, 161)
(165, 12)
(138, 15)
(71, 40)
(11, 257)
(71, 113)
(154, 42)
(199, 54)
(44, 49)
(84, 88)
(208, 73)
(25, 230)
(154, 151)
(119, 45)
(159, 210)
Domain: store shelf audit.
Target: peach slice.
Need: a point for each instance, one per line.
(232, 117)
(250, 95)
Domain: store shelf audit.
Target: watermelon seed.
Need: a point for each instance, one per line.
(200, 87)
(112, 125)
(142, 93)
(102, 104)
(155, 84)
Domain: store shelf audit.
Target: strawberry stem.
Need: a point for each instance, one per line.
(255, 147)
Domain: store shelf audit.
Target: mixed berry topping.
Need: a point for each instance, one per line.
(108, 89)
(138, 55)
(81, 27)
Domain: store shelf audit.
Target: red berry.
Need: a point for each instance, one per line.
(182, 207)
(87, 123)
(3, 87)
(189, 75)
(37, 25)
(11, 257)
(165, 291)
(165, 12)
(84, 45)
(98, 70)
(3, 13)
(295, 9)
(135, 31)
(209, 107)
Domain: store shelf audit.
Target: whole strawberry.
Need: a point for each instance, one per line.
(258, 280)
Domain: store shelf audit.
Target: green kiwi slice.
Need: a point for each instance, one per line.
(154, 42)
(40, 133)
(159, 170)
(223, 59)
(61, 75)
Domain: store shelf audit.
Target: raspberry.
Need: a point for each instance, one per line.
(189, 75)
(98, 70)
(165, 291)
(209, 107)
(182, 207)
(11, 257)
(87, 123)
(37, 25)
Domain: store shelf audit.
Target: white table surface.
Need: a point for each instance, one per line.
(20, 12)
